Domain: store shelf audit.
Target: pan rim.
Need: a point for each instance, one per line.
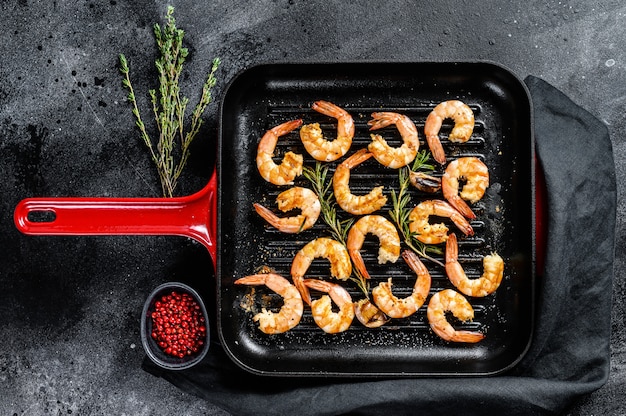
(220, 312)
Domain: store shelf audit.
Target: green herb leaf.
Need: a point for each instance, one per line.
(170, 151)
(338, 228)
(401, 212)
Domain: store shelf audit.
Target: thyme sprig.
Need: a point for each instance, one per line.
(338, 228)
(400, 212)
(168, 106)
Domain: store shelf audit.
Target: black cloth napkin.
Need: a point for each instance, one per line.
(569, 355)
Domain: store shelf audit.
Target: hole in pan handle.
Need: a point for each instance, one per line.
(193, 216)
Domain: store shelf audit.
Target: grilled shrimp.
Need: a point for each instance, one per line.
(313, 139)
(381, 227)
(296, 197)
(401, 308)
(355, 204)
(475, 173)
(334, 251)
(387, 155)
(321, 309)
(493, 271)
(463, 117)
(424, 182)
(291, 311)
(449, 300)
(435, 233)
(290, 167)
(369, 314)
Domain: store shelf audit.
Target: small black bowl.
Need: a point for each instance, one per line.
(156, 354)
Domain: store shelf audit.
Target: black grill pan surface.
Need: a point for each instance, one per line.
(267, 95)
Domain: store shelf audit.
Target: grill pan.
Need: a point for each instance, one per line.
(221, 217)
(267, 95)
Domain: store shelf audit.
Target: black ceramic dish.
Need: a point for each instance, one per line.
(151, 347)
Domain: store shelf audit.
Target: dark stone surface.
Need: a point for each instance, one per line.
(70, 306)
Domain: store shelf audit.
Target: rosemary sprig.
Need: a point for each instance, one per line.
(168, 106)
(361, 282)
(400, 213)
(338, 228)
(421, 162)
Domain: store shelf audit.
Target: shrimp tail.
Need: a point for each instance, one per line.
(461, 206)
(287, 127)
(277, 222)
(414, 262)
(252, 280)
(454, 271)
(316, 284)
(359, 263)
(271, 280)
(465, 227)
(467, 336)
(436, 149)
(267, 215)
(380, 120)
(460, 221)
(327, 108)
(452, 249)
(357, 158)
(303, 289)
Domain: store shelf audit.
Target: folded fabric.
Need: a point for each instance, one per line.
(569, 355)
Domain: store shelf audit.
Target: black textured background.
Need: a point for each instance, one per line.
(70, 306)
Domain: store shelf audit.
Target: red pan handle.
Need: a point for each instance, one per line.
(541, 219)
(193, 216)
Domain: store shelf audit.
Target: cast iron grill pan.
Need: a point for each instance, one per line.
(268, 95)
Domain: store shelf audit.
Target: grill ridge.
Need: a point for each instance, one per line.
(362, 180)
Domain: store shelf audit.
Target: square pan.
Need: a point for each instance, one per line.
(267, 95)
